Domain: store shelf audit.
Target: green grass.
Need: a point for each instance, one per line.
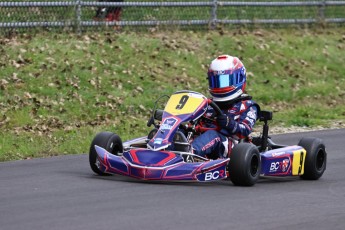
(59, 90)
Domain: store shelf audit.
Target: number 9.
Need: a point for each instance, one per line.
(182, 102)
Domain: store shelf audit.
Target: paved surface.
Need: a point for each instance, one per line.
(63, 193)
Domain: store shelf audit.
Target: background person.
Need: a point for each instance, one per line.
(109, 13)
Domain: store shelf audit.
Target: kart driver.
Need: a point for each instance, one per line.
(227, 83)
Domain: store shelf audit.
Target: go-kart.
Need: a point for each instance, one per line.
(166, 154)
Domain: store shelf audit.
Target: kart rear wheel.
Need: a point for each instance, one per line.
(316, 158)
(245, 164)
(110, 142)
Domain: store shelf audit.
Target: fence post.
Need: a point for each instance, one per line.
(214, 14)
(78, 16)
(322, 8)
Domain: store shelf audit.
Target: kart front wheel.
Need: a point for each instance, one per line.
(245, 164)
(110, 142)
(316, 157)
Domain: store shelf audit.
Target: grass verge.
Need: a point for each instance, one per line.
(59, 90)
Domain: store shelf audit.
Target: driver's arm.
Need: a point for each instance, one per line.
(243, 125)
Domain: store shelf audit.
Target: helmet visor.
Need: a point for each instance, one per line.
(225, 79)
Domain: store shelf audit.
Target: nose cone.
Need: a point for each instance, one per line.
(101, 152)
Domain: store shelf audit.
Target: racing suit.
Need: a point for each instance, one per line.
(241, 116)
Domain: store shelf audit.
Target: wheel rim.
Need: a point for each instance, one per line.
(320, 159)
(254, 165)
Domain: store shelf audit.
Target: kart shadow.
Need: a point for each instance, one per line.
(124, 179)
(272, 180)
(225, 182)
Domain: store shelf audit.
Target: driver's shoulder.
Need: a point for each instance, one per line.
(249, 105)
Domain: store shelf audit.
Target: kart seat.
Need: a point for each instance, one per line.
(180, 142)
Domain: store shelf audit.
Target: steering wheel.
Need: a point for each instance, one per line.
(199, 128)
(215, 107)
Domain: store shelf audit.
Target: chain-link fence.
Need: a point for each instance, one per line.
(79, 15)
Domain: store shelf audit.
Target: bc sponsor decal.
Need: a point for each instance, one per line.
(280, 166)
(214, 175)
(217, 173)
(274, 166)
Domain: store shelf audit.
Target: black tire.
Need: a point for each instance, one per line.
(110, 142)
(316, 158)
(245, 164)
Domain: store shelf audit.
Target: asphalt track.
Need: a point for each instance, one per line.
(63, 193)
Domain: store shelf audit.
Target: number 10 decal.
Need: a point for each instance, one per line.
(182, 102)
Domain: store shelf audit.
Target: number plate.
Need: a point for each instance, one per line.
(184, 103)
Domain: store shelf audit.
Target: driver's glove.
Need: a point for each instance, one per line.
(223, 121)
